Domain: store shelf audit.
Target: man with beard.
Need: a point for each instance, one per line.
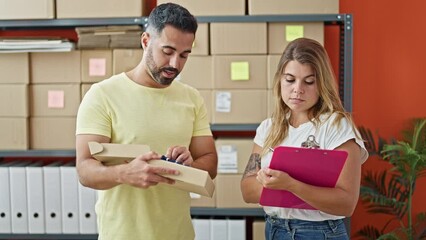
(146, 106)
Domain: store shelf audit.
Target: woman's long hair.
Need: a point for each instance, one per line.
(312, 53)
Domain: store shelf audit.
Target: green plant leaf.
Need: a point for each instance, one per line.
(382, 197)
(390, 192)
(368, 232)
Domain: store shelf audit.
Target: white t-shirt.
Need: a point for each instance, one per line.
(328, 136)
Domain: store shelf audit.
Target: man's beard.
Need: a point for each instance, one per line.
(155, 72)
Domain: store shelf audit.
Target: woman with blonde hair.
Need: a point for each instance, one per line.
(308, 111)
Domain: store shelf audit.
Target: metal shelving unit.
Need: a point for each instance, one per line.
(344, 21)
(37, 153)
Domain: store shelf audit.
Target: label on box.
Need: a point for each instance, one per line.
(223, 102)
(240, 71)
(293, 32)
(55, 99)
(97, 67)
(227, 159)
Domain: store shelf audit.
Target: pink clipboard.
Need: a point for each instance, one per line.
(317, 167)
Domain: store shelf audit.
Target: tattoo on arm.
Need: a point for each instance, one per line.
(253, 165)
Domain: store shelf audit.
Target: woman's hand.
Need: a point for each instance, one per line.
(274, 179)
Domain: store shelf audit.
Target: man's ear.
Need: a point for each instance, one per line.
(144, 40)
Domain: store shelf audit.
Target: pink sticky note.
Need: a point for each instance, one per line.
(97, 67)
(55, 99)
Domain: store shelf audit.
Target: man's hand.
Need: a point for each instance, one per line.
(139, 173)
(180, 154)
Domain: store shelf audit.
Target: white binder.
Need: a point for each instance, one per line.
(5, 211)
(52, 197)
(35, 194)
(87, 215)
(237, 229)
(18, 197)
(201, 228)
(69, 196)
(218, 229)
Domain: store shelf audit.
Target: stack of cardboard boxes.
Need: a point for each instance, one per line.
(14, 110)
(232, 64)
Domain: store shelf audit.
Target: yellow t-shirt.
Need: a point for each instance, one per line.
(130, 113)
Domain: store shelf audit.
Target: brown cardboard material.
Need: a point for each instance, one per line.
(234, 151)
(112, 154)
(189, 179)
(84, 88)
(14, 100)
(124, 60)
(54, 99)
(211, 7)
(239, 106)
(258, 230)
(14, 68)
(208, 101)
(223, 71)
(52, 133)
(202, 201)
(55, 67)
(14, 133)
(100, 8)
(228, 192)
(238, 38)
(262, 7)
(281, 34)
(201, 43)
(23, 9)
(198, 72)
(272, 67)
(96, 65)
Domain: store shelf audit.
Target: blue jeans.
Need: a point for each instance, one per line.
(283, 229)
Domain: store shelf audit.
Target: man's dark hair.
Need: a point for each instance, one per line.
(174, 15)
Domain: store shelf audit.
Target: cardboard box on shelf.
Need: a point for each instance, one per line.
(100, 8)
(233, 154)
(239, 72)
(96, 65)
(208, 101)
(52, 133)
(14, 68)
(23, 9)
(190, 179)
(55, 67)
(281, 34)
(231, 106)
(198, 72)
(124, 60)
(211, 7)
(262, 7)
(238, 38)
(201, 46)
(14, 100)
(54, 100)
(228, 192)
(14, 133)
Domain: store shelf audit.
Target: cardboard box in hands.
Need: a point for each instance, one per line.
(190, 179)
